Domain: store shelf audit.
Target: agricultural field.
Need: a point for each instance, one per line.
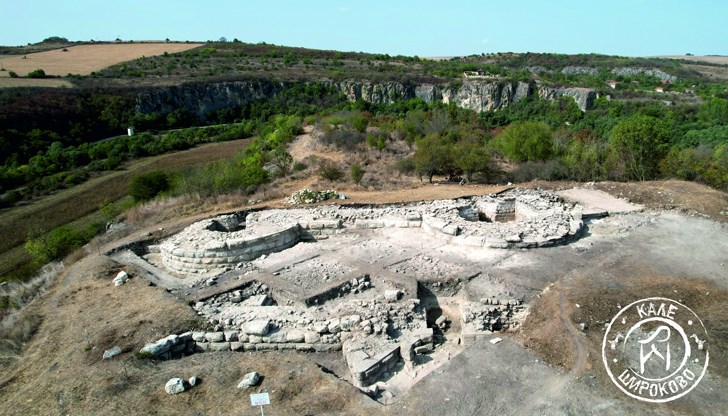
(85, 59)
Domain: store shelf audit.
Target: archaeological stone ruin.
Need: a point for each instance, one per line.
(388, 286)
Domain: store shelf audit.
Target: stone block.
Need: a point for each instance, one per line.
(258, 327)
(311, 337)
(214, 336)
(295, 336)
(277, 337)
(266, 347)
(237, 346)
(304, 347)
(230, 335)
(219, 346)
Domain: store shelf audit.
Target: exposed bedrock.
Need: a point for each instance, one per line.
(476, 95)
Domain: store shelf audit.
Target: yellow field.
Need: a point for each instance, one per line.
(84, 59)
(712, 59)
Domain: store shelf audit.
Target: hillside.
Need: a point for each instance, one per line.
(53, 139)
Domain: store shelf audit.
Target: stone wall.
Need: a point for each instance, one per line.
(366, 368)
(353, 286)
(228, 252)
(172, 346)
(480, 319)
(502, 210)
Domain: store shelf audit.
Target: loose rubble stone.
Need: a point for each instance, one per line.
(193, 381)
(112, 352)
(249, 380)
(121, 278)
(174, 386)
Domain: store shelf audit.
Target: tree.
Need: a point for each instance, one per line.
(281, 159)
(639, 143)
(471, 157)
(433, 155)
(357, 173)
(526, 141)
(148, 185)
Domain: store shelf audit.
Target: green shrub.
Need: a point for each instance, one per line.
(38, 73)
(359, 122)
(329, 171)
(406, 166)
(13, 74)
(147, 186)
(45, 247)
(299, 166)
(357, 173)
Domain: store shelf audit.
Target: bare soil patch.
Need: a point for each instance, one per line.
(84, 59)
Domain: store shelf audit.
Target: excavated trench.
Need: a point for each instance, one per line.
(382, 284)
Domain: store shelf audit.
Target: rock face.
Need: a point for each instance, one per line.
(476, 95)
(584, 97)
(628, 71)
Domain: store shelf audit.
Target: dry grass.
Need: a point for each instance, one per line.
(720, 60)
(84, 59)
(61, 370)
(33, 82)
(17, 325)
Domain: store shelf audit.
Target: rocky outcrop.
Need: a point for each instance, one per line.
(476, 95)
(203, 98)
(584, 97)
(652, 72)
(579, 70)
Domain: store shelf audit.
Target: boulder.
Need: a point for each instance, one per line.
(249, 380)
(121, 278)
(174, 386)
(111, 353)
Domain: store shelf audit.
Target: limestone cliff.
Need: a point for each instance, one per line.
(476, 95)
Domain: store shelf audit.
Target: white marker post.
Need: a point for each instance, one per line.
(260, 399)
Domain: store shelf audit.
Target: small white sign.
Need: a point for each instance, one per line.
(259, 399)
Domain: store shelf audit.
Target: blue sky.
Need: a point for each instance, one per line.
(424, 28)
